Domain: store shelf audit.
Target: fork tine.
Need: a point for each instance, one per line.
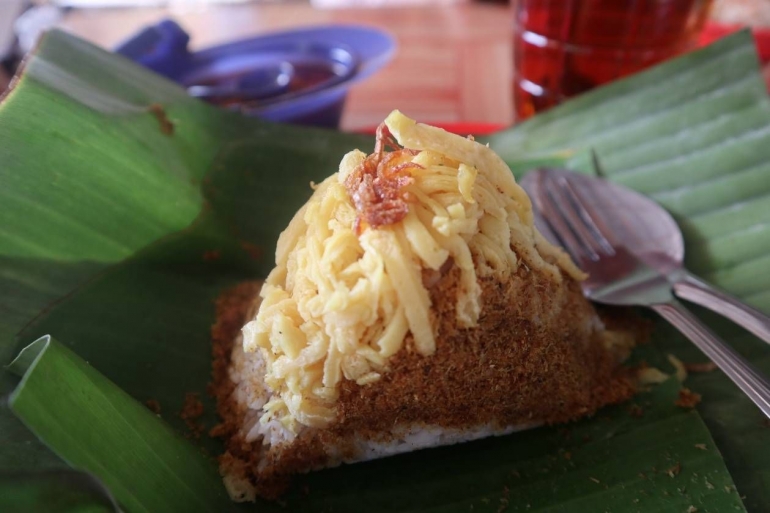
(544, 227)
(557, 219)
(566, 200)
(533, 186)
(588, 214)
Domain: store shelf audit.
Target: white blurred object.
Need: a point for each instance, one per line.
(9, 11)
(30, 25)
(755, 13)
(149, 3)
(336, 4)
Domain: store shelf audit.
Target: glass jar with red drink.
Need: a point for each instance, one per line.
(565, 47)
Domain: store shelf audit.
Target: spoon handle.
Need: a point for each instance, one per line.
(698, 291)
(741, 372)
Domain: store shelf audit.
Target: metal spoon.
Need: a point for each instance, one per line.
(645, 228)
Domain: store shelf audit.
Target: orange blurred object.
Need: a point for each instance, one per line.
(565, 47)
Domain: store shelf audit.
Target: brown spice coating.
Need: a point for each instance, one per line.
(687, 399)
(153, 405)
(211, 255)
(231, 309)
(675, 470)
(192, 409)
(700, 367)
(505, 371)
(165, 124)
(509, 370)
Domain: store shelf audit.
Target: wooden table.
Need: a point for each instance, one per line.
(453, 63)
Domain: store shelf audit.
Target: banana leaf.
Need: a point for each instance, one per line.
(116, 189)
(60, 492)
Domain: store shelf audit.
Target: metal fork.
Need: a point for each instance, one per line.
(617, 277)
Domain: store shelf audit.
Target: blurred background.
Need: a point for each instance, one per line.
(478, 64)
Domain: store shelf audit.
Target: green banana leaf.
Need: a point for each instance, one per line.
(115, 186)
(60, 491)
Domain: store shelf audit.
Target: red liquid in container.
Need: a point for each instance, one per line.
(565, 47)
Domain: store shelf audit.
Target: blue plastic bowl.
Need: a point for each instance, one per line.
(300, 76)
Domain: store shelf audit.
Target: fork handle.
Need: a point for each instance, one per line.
(741, 372)
(698, 291)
